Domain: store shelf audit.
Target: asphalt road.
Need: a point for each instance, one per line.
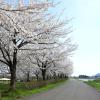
(71, 90)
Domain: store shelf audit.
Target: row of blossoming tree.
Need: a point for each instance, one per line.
(33, 40)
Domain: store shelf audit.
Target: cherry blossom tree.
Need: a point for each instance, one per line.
(19, 28)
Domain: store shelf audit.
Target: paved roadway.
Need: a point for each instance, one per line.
(71, 90)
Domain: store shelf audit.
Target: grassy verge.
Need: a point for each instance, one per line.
(95, 84)
(19, 93)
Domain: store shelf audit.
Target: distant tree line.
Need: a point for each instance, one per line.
(83, 76)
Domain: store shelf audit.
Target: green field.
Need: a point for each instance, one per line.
(95, 84)
(21, 92)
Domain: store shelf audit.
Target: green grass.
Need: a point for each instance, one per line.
(95, 84)
(3, 87)
(19, 93)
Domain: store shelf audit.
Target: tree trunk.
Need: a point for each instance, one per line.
(13, 71)
(54, 75)
(13, 79)
(43, 74)
(28, 77)
(37, 77)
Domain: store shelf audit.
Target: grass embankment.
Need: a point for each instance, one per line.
(95, 84)
(21, 92)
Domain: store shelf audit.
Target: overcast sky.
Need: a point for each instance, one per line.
(86, 25)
